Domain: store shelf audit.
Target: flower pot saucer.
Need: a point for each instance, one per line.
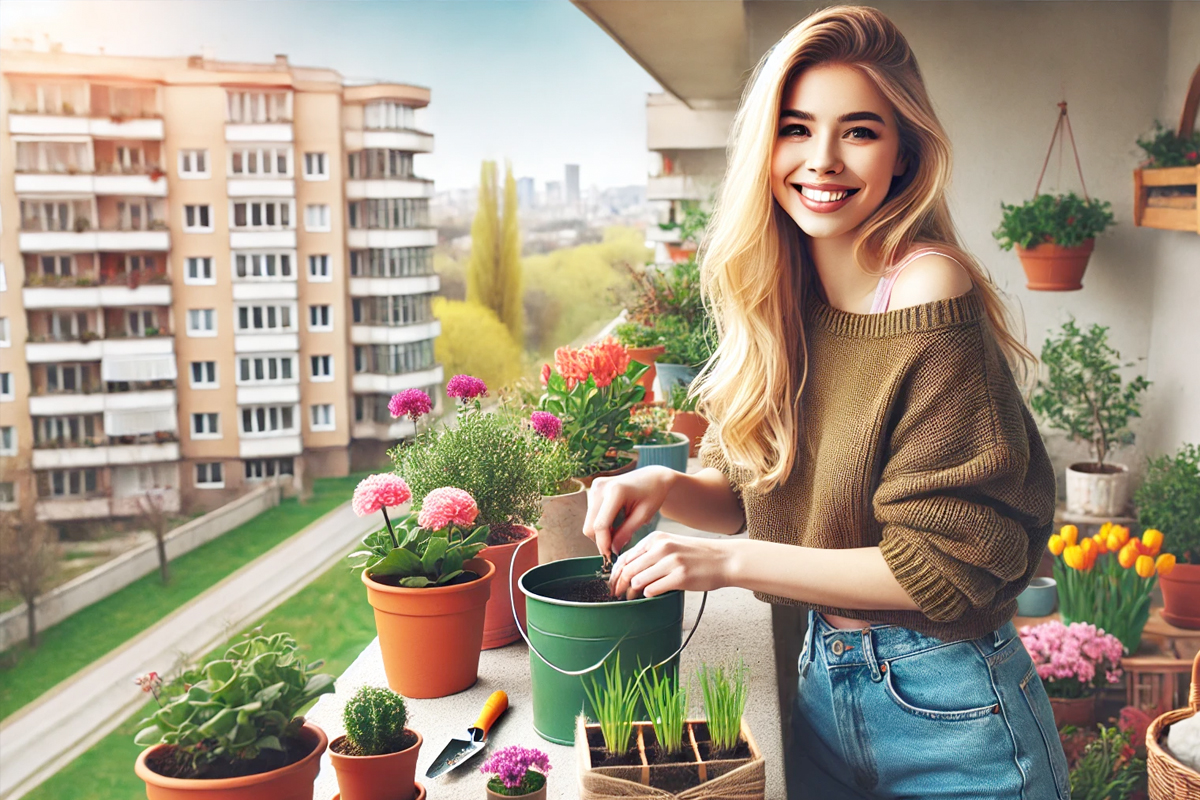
(1179, 621)
(420, 795)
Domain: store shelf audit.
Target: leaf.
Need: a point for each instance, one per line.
(449, 576)
(433, 554)
(220, 724)
(268, 743)
(417, 582)
(398, 562)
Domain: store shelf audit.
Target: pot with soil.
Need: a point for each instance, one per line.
(499, 626)
(377, 758)
(1098, 490)
(671, 375)
(575, 624)
(692, 425)
(561, 535)
(1053, 268)
(673, 455)
(1077, 711)
(647, 356)
(628, 463)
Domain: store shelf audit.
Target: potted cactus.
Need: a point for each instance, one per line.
(231, 728)
(377, 758)
(516, 772)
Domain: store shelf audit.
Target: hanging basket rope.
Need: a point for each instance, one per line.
(1063, 121)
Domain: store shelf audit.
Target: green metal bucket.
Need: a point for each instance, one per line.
(574, 636)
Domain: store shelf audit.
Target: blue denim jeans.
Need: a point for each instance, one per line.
(886, 712)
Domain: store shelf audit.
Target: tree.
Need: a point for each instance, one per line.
(511, 311)
(28, 559)
(157, 518)
(494, 268)
(475, 342)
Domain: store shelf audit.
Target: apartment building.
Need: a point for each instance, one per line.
(211, 274)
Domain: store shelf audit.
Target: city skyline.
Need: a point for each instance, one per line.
(552, 89)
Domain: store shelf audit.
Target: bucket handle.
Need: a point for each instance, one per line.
(513, 605)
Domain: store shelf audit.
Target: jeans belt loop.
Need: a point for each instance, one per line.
(868, 646)
(810, 639)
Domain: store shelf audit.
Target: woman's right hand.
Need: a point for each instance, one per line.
(639, 493)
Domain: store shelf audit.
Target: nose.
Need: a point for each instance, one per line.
(824, 159)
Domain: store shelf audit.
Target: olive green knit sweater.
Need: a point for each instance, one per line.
(922, 446)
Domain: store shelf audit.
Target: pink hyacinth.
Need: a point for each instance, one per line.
(466, 387)
(411, 403)
(1076, 652)
(446, 506)
(379, 491)
(546, 424)
(510, 764)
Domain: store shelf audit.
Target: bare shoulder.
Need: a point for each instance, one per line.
(928, 278)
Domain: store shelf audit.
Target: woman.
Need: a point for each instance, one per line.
(868, 432)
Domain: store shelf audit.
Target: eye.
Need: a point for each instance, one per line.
(793, 130)
(870, 134)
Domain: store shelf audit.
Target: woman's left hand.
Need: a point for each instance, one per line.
(663, 562)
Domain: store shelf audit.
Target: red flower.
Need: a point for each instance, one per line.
(545, 374)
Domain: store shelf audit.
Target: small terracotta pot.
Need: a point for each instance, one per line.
(1181, 596)
(420, 793)
(293, 782)
(540, 794)
(647, 356)
(430, 638)
(1077, 711)
(1052, 268)
(691, 425)
(391, 776)
(499, 626)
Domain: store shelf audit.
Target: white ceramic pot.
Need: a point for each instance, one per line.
(1097, 494)
(561, 535)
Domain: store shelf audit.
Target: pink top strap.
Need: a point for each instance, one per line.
(883, 290)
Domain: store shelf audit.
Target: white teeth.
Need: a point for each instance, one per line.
(822, 197)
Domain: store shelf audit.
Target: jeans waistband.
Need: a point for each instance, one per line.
(874, 643)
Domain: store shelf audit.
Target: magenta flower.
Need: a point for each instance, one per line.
(446, 506)
(546, 424)
(466, 387)
(510, 765)
(411, 403)
(379, 491)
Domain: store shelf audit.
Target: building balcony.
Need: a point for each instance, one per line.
(656, 235)
(369, 383)
(258, 132)
(363, 239)
(391, 432)
(390, 287)
(260, 187)
(266, 342)
(395, 334)
(261, 240)
(284, 289)
(40, 183)
(51, 125)
(62, 352)
(65, 296)
(111, 453)
(363, 189)
(94, 241)
(64, 509)
(675, 187)
(131, 506)
(259, 446)
(409, 141)
(266, 395)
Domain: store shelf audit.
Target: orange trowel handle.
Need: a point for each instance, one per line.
(492, 709)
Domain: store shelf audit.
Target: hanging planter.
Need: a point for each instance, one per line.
(1166, 185)
(1054, 234)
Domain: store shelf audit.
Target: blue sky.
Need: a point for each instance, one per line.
(534, 81)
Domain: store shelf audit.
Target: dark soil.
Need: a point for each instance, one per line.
(580, 590)
(742, 750)
(602, 758)
(1096, 469)
(594, 737)
(504, 533)
(657, 755)
(391, 580)
(169, 761)
(344, 747)
(674, 779)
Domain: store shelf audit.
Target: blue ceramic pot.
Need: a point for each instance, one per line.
(673, 455)
(1038, 599)
(674, 374)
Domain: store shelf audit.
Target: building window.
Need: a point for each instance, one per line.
(3, 278)
(322, 368)
(262, 214)
(268, 420)
(316, 217)
(322, 417)
(393, 359)
(206, 426)
(5, 333)
(193, 164)
(388, 115)
(404, 309)
(265, 369)
(199, 270)
(71, 482)
(320, 318)
(8, 440)
(68, 378)
(390, 213)
(248, 107)
(379, 164)
(267, 162)
(204, 375)
(60, 266)
(316, 167)
(210, 476)
(262, 266)
(141, 323)
(260, 468)
(201, 322)
(6, 386)
(8, 495)
(318, 269)
(391, 262)
(264, 318)
(197, 219)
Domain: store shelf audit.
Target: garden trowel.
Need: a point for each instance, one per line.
(461, 748)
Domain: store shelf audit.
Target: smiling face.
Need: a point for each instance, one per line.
(837, 149)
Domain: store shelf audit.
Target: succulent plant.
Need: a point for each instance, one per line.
(375, 720)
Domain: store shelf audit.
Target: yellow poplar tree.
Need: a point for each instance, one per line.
(510, 311)
(482, 266)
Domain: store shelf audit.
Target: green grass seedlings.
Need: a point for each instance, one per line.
(615, 705)
(724, 702)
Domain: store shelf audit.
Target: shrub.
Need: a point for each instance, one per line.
(1065, 220)
(375, 720)
(1165, 148)
(474, 341)
(1169, 500)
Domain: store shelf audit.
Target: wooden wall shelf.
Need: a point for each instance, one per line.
(1176, 210)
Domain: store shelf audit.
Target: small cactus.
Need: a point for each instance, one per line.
(375, 720)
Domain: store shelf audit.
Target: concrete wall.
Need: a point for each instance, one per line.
(63, 601)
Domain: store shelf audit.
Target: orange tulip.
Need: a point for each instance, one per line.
(1069, 533)
(1088, 546)
(1153, 540)
(1165, 563)
(1123, 532)
(1101, 544)
(1144, 566)
(1073, 556)
(1114, 542)
(1057, 545)
(1105, 530)
(1128, 555)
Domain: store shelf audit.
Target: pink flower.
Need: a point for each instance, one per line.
(148, 682)
(1079, 657)
(510, 764)
(446, 506)
(546, 424)
(466, 387)
(411, 403)
(379, 491)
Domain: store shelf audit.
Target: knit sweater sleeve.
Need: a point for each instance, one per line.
(966, 494)
(711, 455)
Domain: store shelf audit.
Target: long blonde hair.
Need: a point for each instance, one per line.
(755, 266)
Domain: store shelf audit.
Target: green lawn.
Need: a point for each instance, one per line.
(94, 631)
(330, 618)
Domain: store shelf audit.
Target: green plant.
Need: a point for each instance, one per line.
(681, 399)
(82, 224)
(1065, 220)
(1083, 394)
(375, 719)
(233, 708)
(650, 425)
(634, 334)
(666, 701)
(615, 705)
(1165, 148)
(1108, 768)
(724, 702)
(419, 557)
(1169, 500)
(695, 220)
(684, 342)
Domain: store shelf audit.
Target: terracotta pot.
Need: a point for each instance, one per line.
(1078, 711)
(1103, 493)
(420, 793)
(540, 794)
(691, 425)
(1052, 268)
(647, 356)
(561, 535)
(430, 638)
(1181, 596)
(628, 466)
(499, 627)
(293, 782)
(391, 776)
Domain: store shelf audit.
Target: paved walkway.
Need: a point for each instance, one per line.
(42, 737)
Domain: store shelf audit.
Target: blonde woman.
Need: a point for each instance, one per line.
(868, 432)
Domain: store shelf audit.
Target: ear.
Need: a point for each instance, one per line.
(901, 165)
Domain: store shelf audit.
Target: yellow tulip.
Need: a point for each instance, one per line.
(1144, 566)
(1057, 545)
(1127, 556)
(1153, 540)
(1113, 542)
(1088, 546)
(1069, 533)
(1165, 563)
(1073, 556)
(1101, 544)
(1105, 529)
(1122, 533)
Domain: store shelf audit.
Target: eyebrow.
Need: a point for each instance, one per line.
(854, 116)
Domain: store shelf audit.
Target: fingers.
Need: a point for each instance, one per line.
(639, 517)
(640, 558)
(609, 498)
(593, 505)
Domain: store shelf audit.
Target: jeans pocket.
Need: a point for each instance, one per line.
(949, 683)
(1043, 715)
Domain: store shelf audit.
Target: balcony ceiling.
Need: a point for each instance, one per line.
(695, 49)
